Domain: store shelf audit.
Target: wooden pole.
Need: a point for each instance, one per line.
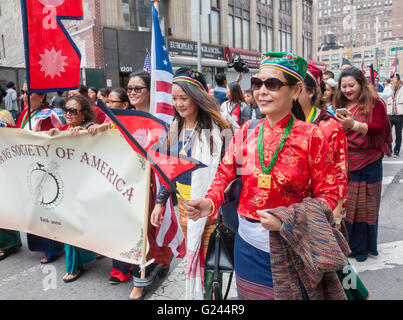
(147, 205)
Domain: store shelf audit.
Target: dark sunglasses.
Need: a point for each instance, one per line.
(271, 84)
(137, 89)
(71, 111)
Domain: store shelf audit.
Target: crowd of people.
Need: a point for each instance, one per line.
(307, 147)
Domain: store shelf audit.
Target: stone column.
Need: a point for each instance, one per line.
(253, 20)
(276, 25)
(224, 22)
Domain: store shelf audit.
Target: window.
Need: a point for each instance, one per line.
(137, 15)
(264, 29)
(239, 24)
(285, 6)
(285, 37)
(210, 25)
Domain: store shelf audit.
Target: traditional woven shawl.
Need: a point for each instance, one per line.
(307, 248)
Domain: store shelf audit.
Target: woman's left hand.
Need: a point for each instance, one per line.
(347, 121)
(75, 130)
(269, 221)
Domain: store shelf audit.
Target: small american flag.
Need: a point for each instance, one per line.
(170, 233)
(147, 62)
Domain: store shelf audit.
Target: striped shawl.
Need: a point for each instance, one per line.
(309, 248)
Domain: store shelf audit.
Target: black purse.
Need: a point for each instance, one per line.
(220, 257)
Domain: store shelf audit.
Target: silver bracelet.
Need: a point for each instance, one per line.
(356, 126)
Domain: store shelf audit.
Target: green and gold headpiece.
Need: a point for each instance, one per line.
(287, 62)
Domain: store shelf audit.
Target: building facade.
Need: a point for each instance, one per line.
(363, 31)
(114, 35)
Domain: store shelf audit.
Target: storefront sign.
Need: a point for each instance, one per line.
(178, 47)
(251, 57)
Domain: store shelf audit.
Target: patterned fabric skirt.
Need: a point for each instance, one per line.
(253, 272)
(363, 202)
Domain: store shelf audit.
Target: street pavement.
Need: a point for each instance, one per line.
(22, 277)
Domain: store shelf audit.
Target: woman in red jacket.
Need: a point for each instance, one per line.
(367, 128)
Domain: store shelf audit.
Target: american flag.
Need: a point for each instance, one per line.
(147, 62)
(170, 233)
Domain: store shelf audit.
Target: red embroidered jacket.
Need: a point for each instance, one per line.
(304, 168)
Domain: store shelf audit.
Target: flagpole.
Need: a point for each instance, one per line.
(29, 110)
(147, 204)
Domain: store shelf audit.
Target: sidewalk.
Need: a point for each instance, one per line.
(173, 287)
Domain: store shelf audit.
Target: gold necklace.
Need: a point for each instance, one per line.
(184, 144)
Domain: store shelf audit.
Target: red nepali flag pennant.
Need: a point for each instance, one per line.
(372, 74)
(52, 59)
(236, 113)
(144, 133)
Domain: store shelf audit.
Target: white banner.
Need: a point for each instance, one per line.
(87, 191)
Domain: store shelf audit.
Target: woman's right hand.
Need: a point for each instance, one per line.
(97, 128)
(196, 209)
(52, 132)
(156, 215)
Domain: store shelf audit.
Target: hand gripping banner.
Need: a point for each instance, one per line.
(51, 57)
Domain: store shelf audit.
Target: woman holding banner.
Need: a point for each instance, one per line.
(79, 115)
(138, 95)
(287, 196)
(197, 132)
(40, 118)
(10, 241)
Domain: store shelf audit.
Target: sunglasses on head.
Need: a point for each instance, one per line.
(71, 111)
(271, 84)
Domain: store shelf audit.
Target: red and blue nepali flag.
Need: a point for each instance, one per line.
(51, 57)
(236, 113)
(144, 132)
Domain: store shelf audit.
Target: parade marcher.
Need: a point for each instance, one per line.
(395, 113)
(283, 162)
(197, 131)
(79, 115)
(378, 86)
(42, 119)
(103, 95)
(93, 94)
(10, 241)
(251, 110)
(368, 132)
(220, 89)
(99, 115)
(328, 75)
(332, 130)
(327, 97)
(11, 100)
(138, 97)
(345, 63)
(58, 103)
(235, 103)
(5, 115)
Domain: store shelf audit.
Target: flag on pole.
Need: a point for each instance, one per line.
(236, 114)
(395, 63)
(147, 62)
(143, 132)
(51, 57)
(372, 74)
(362, 67)
(170, 233)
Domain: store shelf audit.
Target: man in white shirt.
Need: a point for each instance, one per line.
(394, 106)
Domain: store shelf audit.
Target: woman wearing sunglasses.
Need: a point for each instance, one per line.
(43, 118)
(288, 193)
(306, 109)
(79, 115)
(138, 97)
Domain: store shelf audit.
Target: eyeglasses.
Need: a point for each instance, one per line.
(271, 84)
(71, 111)
(136, 89)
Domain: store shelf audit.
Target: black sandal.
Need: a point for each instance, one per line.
(80, 271)
(9, 251)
